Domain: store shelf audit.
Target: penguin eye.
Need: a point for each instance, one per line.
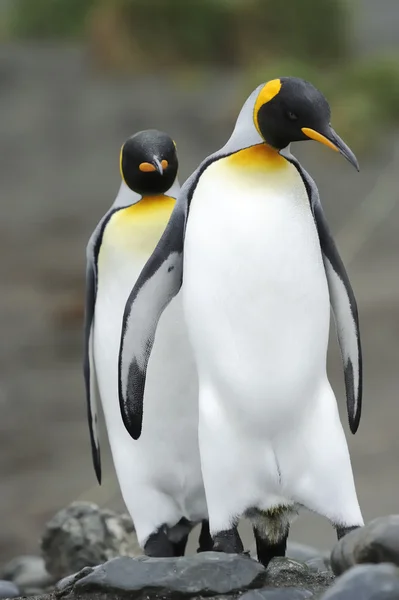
(292, 116)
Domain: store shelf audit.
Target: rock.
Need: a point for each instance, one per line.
(376, 542)
(68, 582)
(318, 565)
(84, 535)
(366, 582)
(205, 574)
(28, 573)
(291, 573)
(303, 552)
(288, 593)
(8, 589)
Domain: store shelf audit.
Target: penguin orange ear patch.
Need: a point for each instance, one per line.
(164, 164)
(146, 167)
(269, 91)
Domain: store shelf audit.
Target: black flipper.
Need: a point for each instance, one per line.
(88, 365)
(343, 303)
(158, 283)
(92, 392)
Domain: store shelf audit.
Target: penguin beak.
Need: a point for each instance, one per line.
(158, 165)
(333, 141)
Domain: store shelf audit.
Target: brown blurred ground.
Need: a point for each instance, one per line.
(61, 127)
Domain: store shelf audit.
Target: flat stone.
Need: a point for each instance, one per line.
(288, 593)
(83, 535)
(376, 542)
(68, 582)
(8, 589)
(205, 574)
(28, 573)
(366, 582)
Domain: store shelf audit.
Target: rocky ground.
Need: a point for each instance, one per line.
(92, 553)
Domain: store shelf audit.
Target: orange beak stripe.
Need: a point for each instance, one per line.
(146, 167)
(314, 135)
(164, 164)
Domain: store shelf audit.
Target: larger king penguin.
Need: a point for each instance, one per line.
(259, 270)
(160, 476)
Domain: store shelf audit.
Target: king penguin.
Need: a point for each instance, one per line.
(159, 475)
(259, 271)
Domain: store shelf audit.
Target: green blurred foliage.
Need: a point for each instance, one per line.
(49, 18)
(264, 39)
(214, 32)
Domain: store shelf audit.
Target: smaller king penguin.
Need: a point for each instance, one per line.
(159, 475)
(260, 271)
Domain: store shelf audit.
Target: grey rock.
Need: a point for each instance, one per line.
(291, 573)
(376, 542)
(8, 589)
(288, 593)
(205, 574)
(28, 573)
(84, 535)
(69, 581)
(303, 552)
(318, 564)
(366, 582)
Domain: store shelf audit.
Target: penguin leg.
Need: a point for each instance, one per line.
(205, 538)
(271, 530)
(178, 536)
(228, 541)
(179, 547)
(158, 545)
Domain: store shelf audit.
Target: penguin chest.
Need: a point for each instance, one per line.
(255, 290)
(130, 235)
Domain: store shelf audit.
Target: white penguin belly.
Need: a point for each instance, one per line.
(255, 292)
(160, 474)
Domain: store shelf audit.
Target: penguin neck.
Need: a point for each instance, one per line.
(259, 157)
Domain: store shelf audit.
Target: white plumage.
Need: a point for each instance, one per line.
(257, 308)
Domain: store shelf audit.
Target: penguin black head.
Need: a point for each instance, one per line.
(148, 162)
(293, 110)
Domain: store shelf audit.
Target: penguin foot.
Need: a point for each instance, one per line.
(159, 545)
(341, 531)
(228, 541)
(205, 539)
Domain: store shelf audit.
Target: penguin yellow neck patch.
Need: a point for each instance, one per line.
(269, 91)
(259, 158)
(138, 228)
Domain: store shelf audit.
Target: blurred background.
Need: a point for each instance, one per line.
(77, 77)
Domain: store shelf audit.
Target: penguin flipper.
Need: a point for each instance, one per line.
(158, 283)
(344, 306)
(91, 385)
